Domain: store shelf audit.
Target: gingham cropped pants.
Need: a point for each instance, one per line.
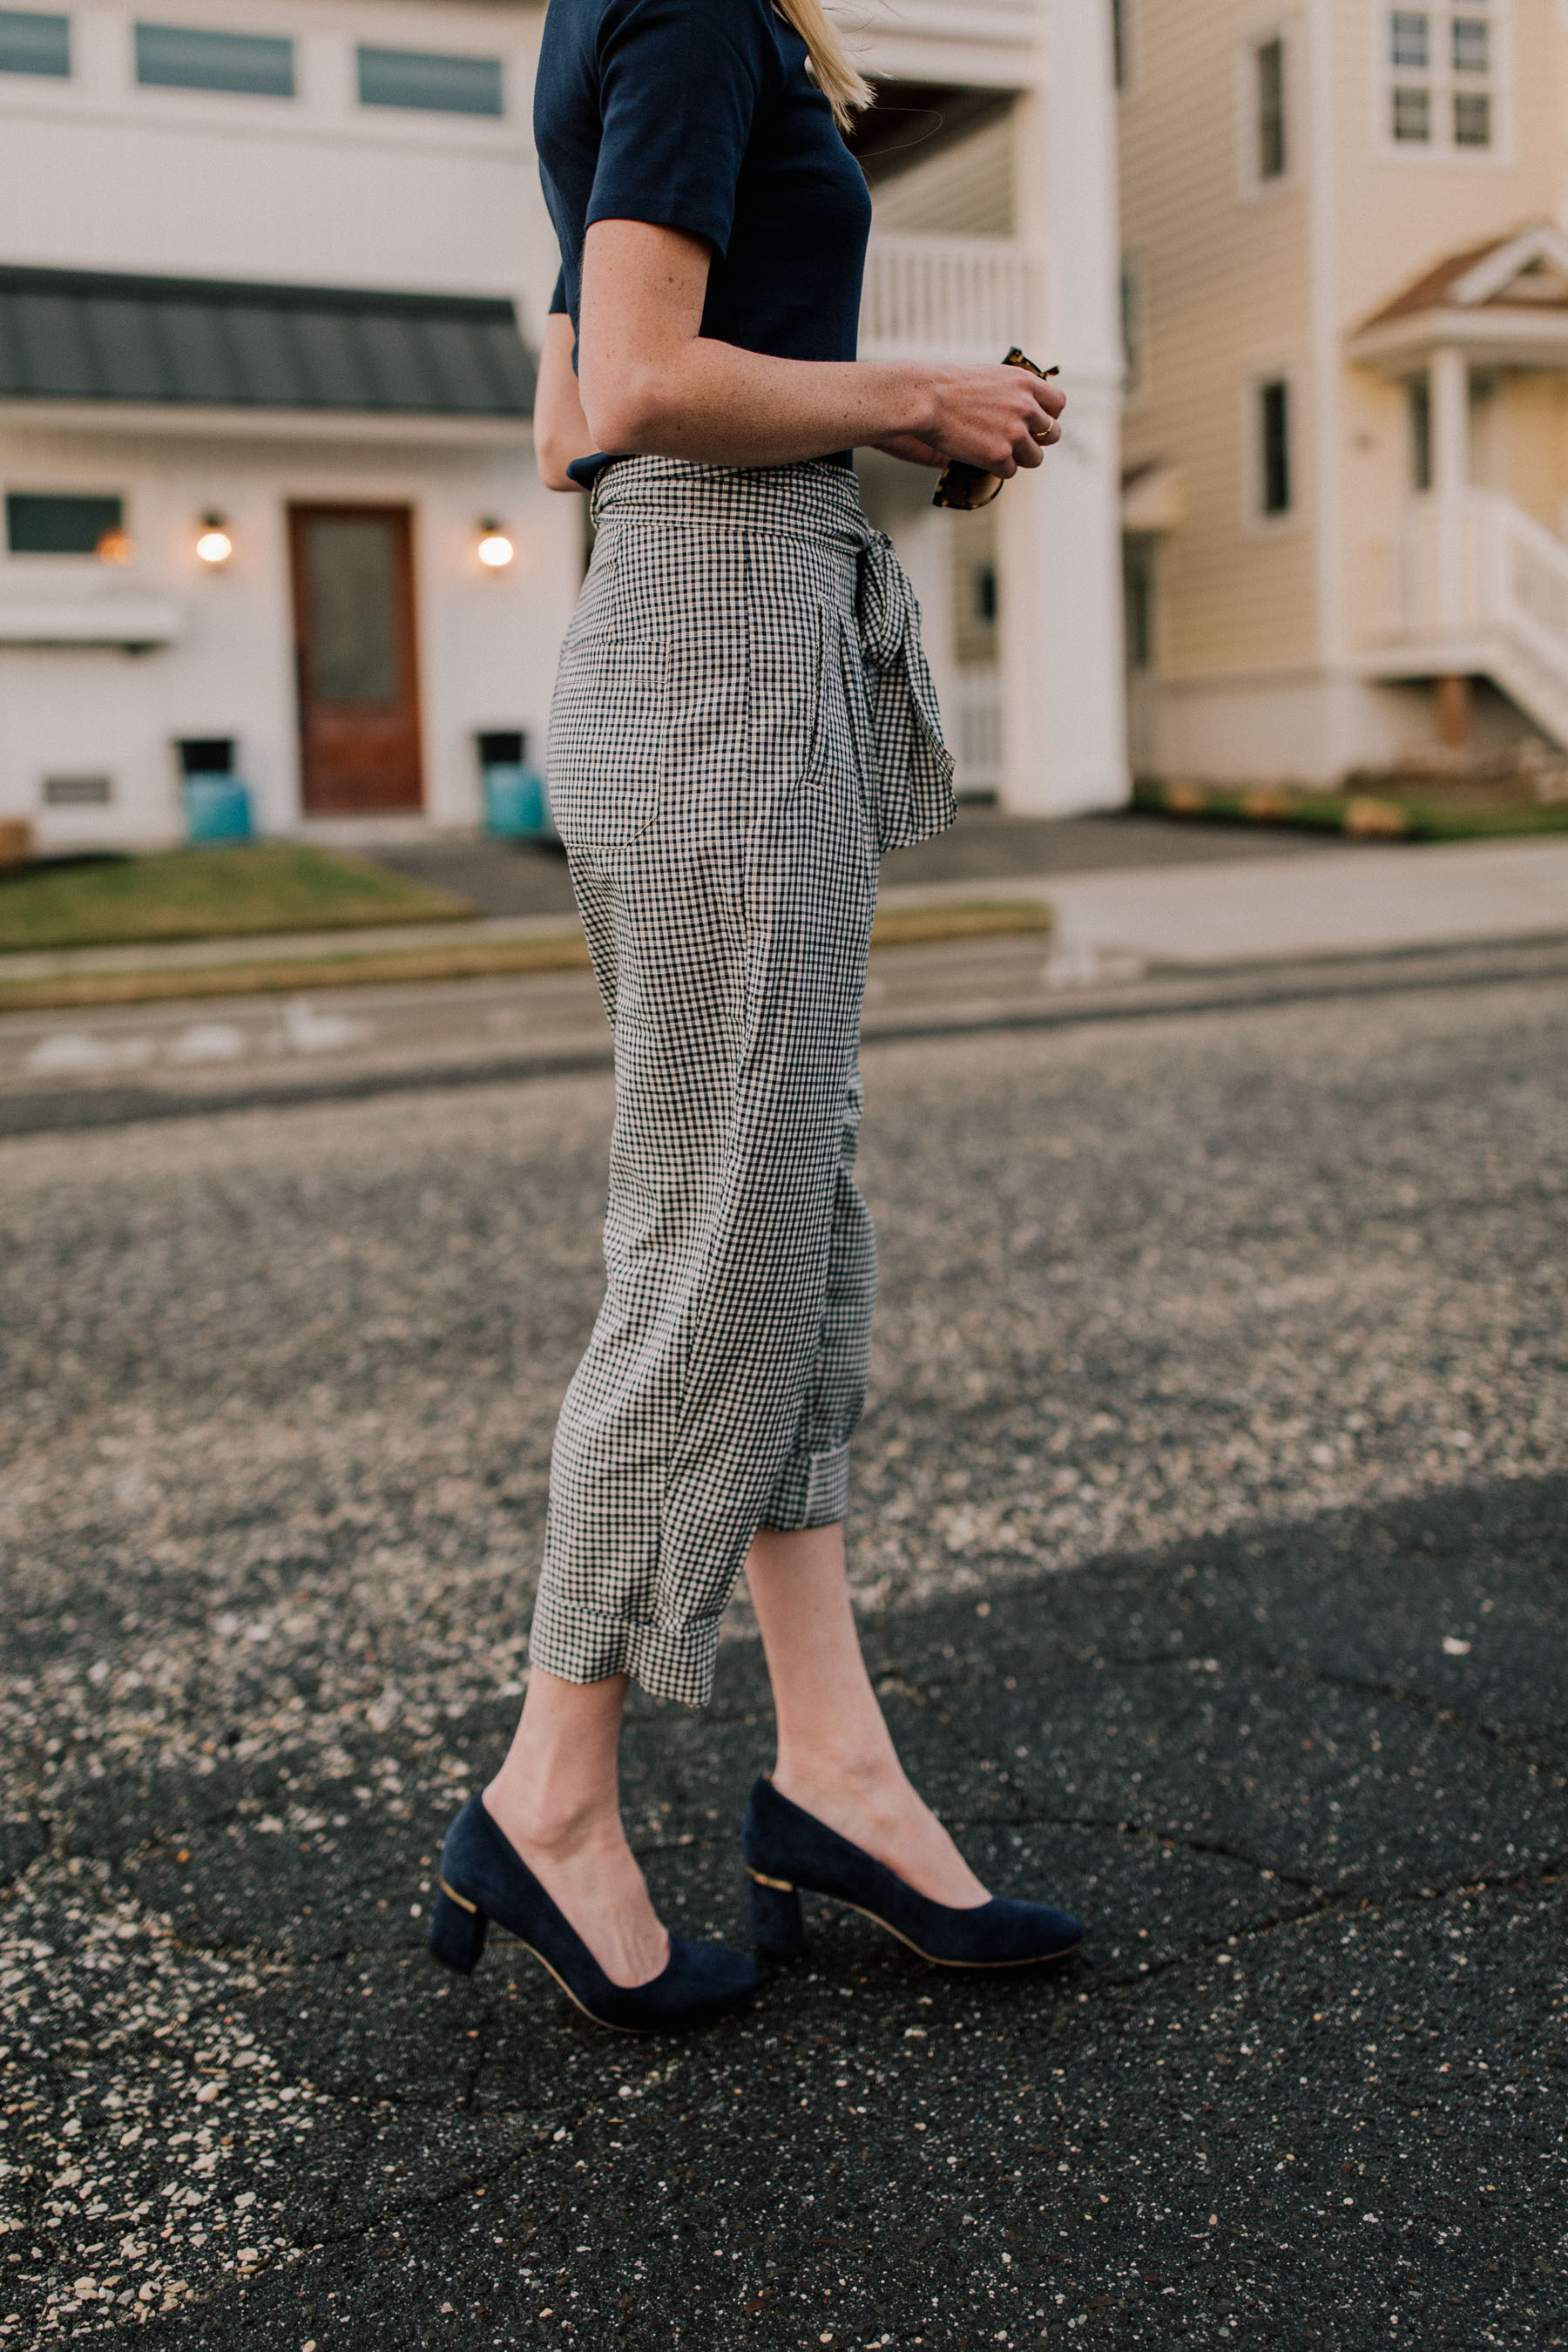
(743, 718)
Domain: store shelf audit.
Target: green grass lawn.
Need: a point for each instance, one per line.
(1392, 810)
(208, 894)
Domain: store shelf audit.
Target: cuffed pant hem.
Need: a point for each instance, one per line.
(812, 1491)
(582, 1647)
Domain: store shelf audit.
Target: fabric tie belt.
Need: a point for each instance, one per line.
(912, 768)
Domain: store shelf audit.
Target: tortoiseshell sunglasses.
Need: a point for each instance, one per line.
(965, 486)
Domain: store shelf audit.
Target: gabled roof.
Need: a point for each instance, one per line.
(1506, 298)
(1529, 267)
(99, 335)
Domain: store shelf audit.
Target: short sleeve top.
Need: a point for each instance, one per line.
(700, 115)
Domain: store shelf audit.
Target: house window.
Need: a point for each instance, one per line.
(1138, 603)
(183, 56)
(31, 44)
(1472, 45)
(1420, 389)
(1120, 41)
(1441, 68)
(1274, 447)
(1130, 326)
(1472, 118)
(1412, 115)
(39, 523)
(435, 85)
(1410, 39)
(975, 589)
(1268, 61)
(77, 792)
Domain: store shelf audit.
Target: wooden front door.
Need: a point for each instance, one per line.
(354, 658)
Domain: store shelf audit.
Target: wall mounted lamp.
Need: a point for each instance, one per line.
(495, 550)
(215, 545)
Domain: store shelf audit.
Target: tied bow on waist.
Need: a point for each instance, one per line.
(913, 766)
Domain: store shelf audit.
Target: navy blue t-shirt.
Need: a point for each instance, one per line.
(700, 115)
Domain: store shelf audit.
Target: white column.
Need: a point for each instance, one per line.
(1064, 707)
(1450, 396)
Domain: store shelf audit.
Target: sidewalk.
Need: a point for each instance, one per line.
(1229, 909)
(1259, 910)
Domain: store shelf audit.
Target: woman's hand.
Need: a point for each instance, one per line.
(560, 428)
(998, 418)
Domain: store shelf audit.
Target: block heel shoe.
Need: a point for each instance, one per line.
(787, 1851)
(485, 1880)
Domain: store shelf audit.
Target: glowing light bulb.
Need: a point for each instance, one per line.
(215, 545)
(495, 550)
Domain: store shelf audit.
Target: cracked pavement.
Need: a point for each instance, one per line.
(1209, 1531)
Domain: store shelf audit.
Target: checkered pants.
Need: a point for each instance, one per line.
(743, 718)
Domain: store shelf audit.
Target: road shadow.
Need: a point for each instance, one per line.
(1306, 1783)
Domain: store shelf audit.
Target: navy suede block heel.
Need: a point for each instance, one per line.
(456, 1933)
(788, 1849)
(485, 1881)
(778, 1925)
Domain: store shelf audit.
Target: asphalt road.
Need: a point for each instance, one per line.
(1209, 1526)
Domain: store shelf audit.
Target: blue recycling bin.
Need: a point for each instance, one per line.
(217, 802)
(217, 808)
(515, 806)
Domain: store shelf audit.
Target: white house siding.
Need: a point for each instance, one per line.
(96, 173)
(485, 641)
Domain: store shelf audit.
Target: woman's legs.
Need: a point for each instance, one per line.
(557, 1798)
(835, 1755)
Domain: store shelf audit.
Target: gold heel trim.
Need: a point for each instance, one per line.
(461, 1901)
(784, 1885)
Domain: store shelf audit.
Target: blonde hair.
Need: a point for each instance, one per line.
(837, 75)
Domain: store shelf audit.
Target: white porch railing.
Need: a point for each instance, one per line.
(958, 298)
(1480, 585)
(974, 727)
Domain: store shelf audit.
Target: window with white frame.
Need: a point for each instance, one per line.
(1276, 487)
(1443, 76)
(1266, 156)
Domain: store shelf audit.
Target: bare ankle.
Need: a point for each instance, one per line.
(546, 1826)
(863, 1772)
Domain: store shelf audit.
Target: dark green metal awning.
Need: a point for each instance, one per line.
(72, 334)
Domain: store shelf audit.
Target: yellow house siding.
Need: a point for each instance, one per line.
(1395, 216)
(1222, 276)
